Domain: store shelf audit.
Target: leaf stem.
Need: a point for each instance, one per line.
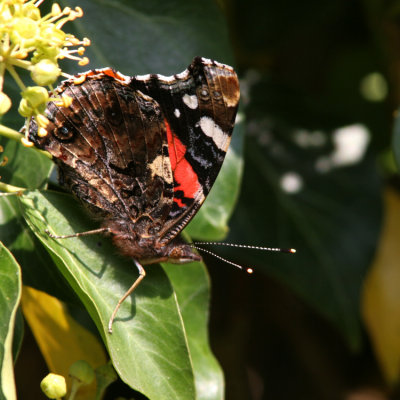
(19, 63)
(16, 77)
(10, 189)
(10, 133)
(15, 135)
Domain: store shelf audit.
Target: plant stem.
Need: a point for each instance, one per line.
(10, 133)
(74, 388)
(19, 63)
(16, 77)
(15, 135)
(5, 187)
(2, 69)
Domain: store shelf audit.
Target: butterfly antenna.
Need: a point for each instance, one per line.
(244, 246)
(248, 270)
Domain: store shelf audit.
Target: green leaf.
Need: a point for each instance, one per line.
(193, 303)
(140, 37)
(19, 169)
(10, 292)
(149, 345)
(34, 260)
(333, 221)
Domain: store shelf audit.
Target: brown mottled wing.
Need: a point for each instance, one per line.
(111, 148)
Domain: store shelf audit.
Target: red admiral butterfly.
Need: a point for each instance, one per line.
(143, 152)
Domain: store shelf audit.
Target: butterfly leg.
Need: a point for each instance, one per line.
(87, 233)
(142, 274)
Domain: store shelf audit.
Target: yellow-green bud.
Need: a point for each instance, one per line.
(42, 53)
(25, 109)
(24, 28)
(5, 103)
(45, 72)
(31, 11)
(54, 36)
(55, 10)
(82, 371)
(54, 386)
(36, 96)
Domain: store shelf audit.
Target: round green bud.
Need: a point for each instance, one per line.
(24, 28)
(5, 103)
(52, 35)
(25, 109)
(35, 96)
(82, 371)
(45, 53)
(45, 72)
(54, 386)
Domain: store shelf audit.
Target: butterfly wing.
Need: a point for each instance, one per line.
(201, 104)
(111, 148)
(145, 149)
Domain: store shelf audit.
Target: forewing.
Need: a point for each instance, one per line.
(200, 104)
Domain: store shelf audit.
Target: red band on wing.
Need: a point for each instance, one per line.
(183, 172)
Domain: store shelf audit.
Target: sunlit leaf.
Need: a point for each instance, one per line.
(10, 292)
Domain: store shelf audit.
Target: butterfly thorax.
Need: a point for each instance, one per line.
(148, 249)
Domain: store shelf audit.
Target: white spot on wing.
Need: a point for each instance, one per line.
(213, 62)
(166, 78)
(190, 101)
(177, 113)
(211, 129)
(143, 77)
(183, 75)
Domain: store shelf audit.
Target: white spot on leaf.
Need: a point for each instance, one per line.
(291, 182)
(350, 143)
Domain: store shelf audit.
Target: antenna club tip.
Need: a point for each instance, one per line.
(292, 251)
(249, 270)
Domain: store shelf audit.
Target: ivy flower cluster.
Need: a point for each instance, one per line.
(36, 43)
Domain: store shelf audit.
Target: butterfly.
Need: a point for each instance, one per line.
(142, 153)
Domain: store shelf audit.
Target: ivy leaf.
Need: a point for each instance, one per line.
(10, 293)
(150, 332)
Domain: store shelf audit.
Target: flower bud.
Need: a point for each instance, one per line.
(25, 109)
(54, 386)
(45, 72)
(35, 96)
(31, 11)
(82, 371)
(56, 10)
(5, 103)
(24, 28)
(45, 53)
(54, 36)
